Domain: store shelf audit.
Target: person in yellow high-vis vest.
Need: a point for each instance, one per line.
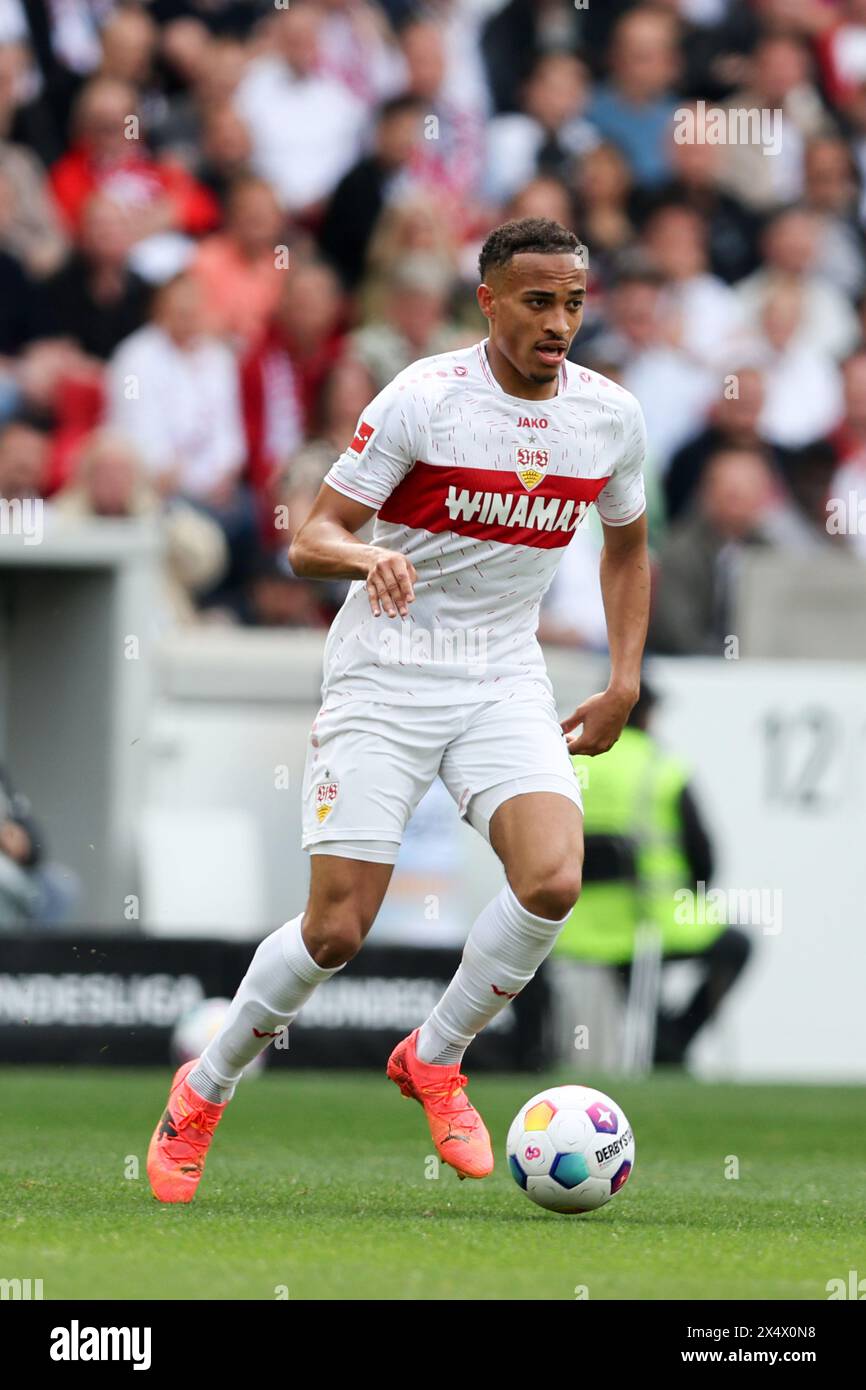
(645, 841)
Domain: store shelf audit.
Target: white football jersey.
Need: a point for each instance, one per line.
(482, 491)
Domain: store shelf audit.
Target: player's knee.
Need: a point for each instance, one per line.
(336, 935)
(553, 894)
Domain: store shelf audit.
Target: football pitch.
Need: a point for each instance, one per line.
(318, 1187)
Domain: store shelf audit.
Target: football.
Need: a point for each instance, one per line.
(195, 1028)
(570, 1149)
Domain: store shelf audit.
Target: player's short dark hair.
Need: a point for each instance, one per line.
(536, 234)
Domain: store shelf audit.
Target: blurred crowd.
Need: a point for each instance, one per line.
(226, 224)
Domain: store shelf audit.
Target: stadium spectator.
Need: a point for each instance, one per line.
(790, 246)
(359, 49)
(22, 318)
(23, 460)
(635, 107)
(547, 135)
(306, 127)
(842, 50)
(855, 128)
(187, 44)
(414, 223)
(226, 151)
(376, 179)
(514, 37)
(221, 18)
(108, 155)
(710, 320)
(809, 473)
(283, 374)
(38, 380)
(450, 159)
(802, 384)
(110, 481)
(739, 504)
(129, 39)
(848, 483)
(602, 184)
(57, 46)
(695, 182)
(345, 393)
(642, 347)
(207, 73)
(733, 422)
(343, 398)
(764, 173)
(241, 268)
(543, 196)
(174, 390)
(95, 297)
(833, 191)
(30, 228)
(414, 322)
(849, 436)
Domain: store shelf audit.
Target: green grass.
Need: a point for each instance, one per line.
(316, 1182)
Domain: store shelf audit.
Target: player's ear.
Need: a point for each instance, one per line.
(485, 297)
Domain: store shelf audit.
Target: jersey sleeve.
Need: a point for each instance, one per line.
(623, 498)
(384, 448)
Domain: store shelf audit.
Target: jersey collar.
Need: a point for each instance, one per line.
(487, 372)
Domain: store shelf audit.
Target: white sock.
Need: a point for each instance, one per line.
(281, 977)
(504, 949)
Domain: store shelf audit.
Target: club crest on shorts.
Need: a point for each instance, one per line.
(532, 464)
(326, 795)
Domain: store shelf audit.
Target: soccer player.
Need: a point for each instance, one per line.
(478, 466)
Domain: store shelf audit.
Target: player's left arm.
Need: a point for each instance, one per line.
(625, 589)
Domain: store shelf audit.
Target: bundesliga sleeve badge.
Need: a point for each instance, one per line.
(362, 438)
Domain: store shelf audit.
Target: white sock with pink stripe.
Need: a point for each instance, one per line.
(281, 977)
(504, 949)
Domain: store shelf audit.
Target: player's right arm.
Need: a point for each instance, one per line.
(326, 547)
(383, 450)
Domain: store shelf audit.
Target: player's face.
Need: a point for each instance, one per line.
(535, 306)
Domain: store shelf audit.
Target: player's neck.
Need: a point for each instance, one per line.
(511, 381)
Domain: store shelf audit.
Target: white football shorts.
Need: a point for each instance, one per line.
(369, 764)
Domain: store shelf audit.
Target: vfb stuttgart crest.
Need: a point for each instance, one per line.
(532, 464)
(326, 795)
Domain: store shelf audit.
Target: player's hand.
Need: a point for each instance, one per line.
(603, 719)
(390, 581)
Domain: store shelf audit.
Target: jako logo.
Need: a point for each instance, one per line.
(532, 422)
(76, 1343)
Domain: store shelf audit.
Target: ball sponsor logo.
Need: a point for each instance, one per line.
(614, 1149)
